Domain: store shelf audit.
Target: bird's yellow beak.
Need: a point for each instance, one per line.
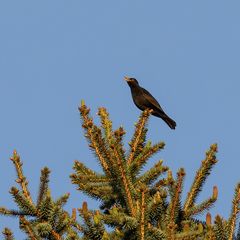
(127, 79)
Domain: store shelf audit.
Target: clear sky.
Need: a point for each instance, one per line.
(55, 53)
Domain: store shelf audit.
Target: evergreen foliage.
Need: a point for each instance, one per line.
(44, 219)
(135, 204)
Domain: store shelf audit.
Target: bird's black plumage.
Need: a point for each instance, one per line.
(143, 100)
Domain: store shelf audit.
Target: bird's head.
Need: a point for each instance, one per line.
(131, 81)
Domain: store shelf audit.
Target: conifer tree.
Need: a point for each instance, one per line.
(134, 204)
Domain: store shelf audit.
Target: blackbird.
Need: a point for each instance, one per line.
(143, 100)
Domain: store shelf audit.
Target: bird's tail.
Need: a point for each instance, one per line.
(170, 122)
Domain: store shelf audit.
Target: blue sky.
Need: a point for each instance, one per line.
(55, 53)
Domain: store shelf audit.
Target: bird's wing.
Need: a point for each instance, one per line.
(152, 103)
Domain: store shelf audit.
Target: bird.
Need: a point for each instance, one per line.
(144, 100)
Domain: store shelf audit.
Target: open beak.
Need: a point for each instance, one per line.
(127, 79)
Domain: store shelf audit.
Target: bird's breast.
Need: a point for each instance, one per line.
(138, 100)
